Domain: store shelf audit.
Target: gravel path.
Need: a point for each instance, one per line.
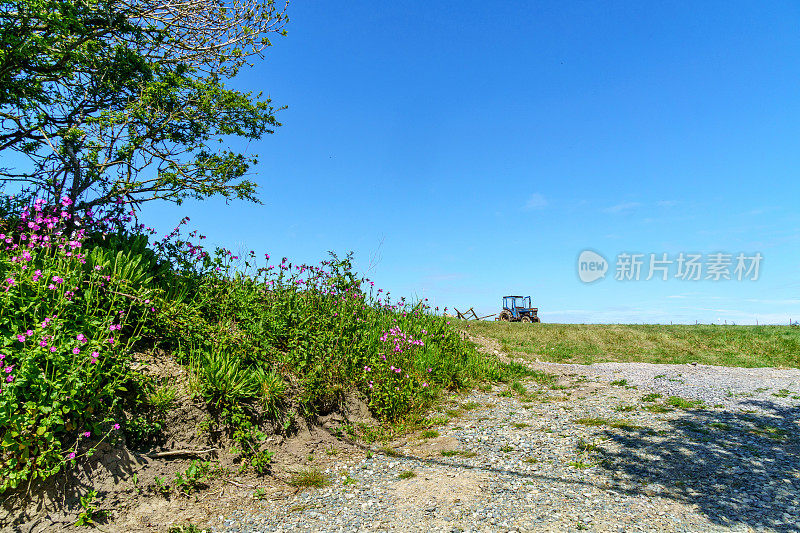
(590, 452)
(733, 388)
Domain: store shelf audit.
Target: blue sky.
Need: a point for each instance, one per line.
(476, 148)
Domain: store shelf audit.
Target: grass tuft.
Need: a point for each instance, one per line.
(308, 478)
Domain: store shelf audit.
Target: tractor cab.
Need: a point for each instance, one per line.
(518, 309)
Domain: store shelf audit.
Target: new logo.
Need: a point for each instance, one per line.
(591, 266)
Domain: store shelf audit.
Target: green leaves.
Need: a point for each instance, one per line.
(109, 99)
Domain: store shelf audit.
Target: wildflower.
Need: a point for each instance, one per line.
(53, 349)
(87, 434)
(81, 337)
(425, 384)
(21, 338)
(430, 370)
(76, 350)
(110, 340)
(71, 455)
(115, 426)
(8, 369)
(367, 369)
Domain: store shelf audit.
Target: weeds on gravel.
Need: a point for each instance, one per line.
(651, 397)
(184, 528)
(657, 408)
(407, 474)
(462, 453)
(624, 408)
(720, 425)
(682, 403)
(771, 432)
(389, 451)
(520, 425)
(616, 424)
(519, 388)
(308, 478)
(429, 434)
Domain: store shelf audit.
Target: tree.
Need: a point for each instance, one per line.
(124, 101)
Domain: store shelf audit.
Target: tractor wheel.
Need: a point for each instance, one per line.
(505, 316)
(526, 319)
(536, 319)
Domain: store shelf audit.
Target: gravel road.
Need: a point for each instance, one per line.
(609, 447)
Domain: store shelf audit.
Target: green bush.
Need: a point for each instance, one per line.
(257, 338)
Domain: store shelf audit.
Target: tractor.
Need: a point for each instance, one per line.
(518, 309)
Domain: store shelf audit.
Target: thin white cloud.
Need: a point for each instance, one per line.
(666, 203)
(622, 208)
(536, 201)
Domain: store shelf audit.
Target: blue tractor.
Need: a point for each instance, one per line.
(518, 309)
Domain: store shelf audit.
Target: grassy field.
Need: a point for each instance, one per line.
(744, 346)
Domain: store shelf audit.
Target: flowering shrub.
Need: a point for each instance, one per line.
(62, 358)
(77, 295)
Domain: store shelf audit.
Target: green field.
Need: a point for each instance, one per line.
(744, 346)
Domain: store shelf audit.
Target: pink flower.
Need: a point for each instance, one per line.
(87, 434)
(52, 348)
(110, 340)
(81, 337)
(76, 350)
(115, 426)
(21, 338)
(71, 455)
